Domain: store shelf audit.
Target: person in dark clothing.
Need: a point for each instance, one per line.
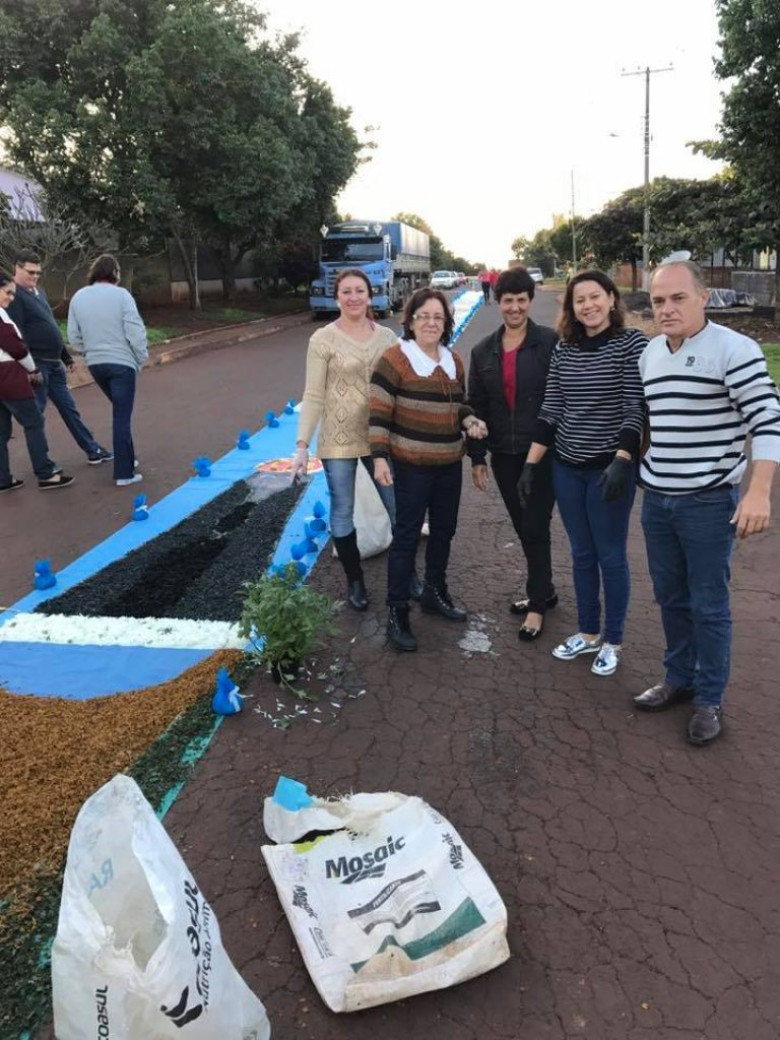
(34, 318)
(507, 379)
(17, 401)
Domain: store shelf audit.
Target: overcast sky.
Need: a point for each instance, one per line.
(482, 116)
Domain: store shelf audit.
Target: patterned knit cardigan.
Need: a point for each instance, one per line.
(414, 419)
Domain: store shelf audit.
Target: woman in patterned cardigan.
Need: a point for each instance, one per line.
(418, 418)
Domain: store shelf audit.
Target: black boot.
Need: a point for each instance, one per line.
(438, 601)
(399, 632)
(349, 555)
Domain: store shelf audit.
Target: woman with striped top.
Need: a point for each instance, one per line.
(592, 415)
(417, 418)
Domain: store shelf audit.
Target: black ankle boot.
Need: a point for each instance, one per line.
(399, 632)
(357, 597)
(349, 555)
(438, 601)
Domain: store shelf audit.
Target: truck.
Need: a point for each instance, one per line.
(395, 257)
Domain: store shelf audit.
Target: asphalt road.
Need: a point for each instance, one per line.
(192, 407)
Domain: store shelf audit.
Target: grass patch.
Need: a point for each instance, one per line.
(772, 353)
(154, 334)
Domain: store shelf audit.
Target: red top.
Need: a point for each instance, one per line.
(509, 367)
(14, 378)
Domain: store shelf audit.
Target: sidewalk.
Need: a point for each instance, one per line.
(207, 340)
(640, 874)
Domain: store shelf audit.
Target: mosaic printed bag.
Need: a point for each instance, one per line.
(391, 903)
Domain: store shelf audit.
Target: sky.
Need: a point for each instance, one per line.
(485, 115)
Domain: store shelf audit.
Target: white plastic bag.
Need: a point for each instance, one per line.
(391, 904)
(372, 524)
(138, 954)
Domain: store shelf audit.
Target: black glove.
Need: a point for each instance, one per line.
(525, 483)
(615, 479)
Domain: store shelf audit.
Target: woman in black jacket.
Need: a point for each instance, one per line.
(507, 378)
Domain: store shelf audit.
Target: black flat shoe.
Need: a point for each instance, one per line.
(357, 597)
(528, 634)
(520, 606)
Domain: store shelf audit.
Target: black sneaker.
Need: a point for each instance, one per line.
(706, 724)
(101, 455)
(12, 486)
(56, 480)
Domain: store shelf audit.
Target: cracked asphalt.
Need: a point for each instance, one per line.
(640, 874)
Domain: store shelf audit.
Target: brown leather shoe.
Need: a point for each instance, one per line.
(706, 724)
(662, 696)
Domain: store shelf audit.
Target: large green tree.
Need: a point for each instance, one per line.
(181, 120)
(750, 123)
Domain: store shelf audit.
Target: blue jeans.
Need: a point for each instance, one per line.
(54, 388)
(598, 533)
(340, 476)
(421, 489)
(689, 543)
(28, 415)
(118, 384)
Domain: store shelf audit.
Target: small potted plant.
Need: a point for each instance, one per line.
(284, 618)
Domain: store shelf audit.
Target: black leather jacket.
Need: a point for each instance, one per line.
(509, 433)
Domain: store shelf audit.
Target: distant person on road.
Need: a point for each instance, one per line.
(484, 281)
(592, 417)
(507, 379)
(104, 325)
(35, 320)
(418, 420)
(493, 279)
(707, 387)
(339, 363)
(18, 374)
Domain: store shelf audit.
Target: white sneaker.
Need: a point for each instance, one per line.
(129, 480)
(607, 660)
(574, 646)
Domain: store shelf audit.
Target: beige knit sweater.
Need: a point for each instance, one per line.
(338, 372)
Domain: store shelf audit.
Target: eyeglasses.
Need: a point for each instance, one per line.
(429, 319)
(32, 274)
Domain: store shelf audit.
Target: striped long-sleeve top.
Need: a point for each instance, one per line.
(593, 402)
(415, 419)
(703, 399)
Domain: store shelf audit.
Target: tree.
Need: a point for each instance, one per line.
(615, 233)
(750, 123)
(177, 120)
(32, 221)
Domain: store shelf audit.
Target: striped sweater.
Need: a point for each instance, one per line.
(416, 419)
(703, 400)
(593, 402)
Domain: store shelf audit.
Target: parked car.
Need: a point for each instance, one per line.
(443, 280)
(461, 277)
(536, 274)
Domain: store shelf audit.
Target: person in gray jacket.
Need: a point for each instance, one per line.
(104, 325)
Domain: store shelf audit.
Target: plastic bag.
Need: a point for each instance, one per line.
(138, 954)
(374, 530)
(390, 904)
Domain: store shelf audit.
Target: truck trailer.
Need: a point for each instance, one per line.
(395, 257)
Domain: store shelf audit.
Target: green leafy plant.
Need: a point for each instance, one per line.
(284, 618)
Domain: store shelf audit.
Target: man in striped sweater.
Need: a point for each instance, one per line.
(706, 388)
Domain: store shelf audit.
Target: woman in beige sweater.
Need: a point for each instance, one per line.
(339, 363)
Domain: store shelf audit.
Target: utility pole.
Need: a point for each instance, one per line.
(647, 73)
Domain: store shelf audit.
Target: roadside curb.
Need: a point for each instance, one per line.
(179, 347)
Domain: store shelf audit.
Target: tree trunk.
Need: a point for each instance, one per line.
(189, 258)
(634, 276)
